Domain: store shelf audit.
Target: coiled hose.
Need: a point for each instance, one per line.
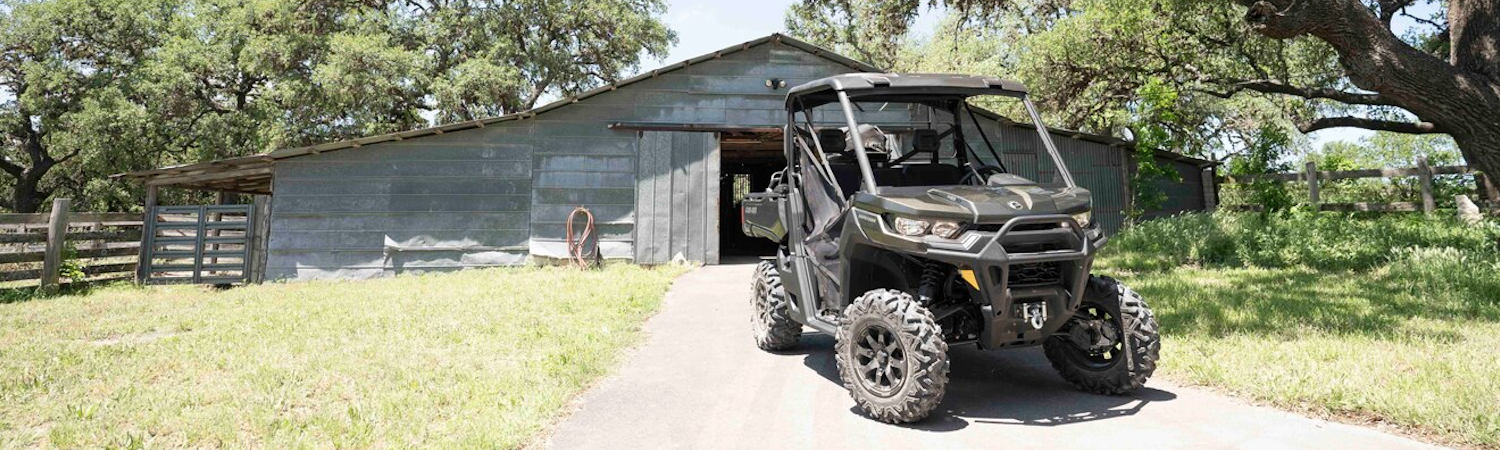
(576, 244)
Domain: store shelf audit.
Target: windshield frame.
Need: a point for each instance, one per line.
(846, 103)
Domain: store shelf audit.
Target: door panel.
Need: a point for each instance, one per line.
(677, 197)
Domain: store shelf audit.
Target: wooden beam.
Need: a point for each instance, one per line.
(1350, 174)
(1371, 207)
(205, 177)
(1210, 190)
(260, 233)
(1312, 183)
(1424, 176)
(148, 232)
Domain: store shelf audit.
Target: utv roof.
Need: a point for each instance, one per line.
(907, 83)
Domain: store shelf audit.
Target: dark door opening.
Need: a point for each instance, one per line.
(747, 160)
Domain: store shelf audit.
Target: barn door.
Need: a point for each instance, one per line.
(677, 197)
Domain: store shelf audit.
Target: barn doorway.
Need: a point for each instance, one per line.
(747, 160)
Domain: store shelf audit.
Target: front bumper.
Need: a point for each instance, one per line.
(1028, 259)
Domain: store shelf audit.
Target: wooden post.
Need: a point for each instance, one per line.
(148, 235)
(1127, 207)
(1210, 190)
(1424, 175)
(1312, 184)
(57, 237)
(260, 231)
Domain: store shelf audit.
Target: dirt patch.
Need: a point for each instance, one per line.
(136, 338)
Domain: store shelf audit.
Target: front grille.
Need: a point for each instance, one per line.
(1035, 247)
(995, 227)
(1035, 274)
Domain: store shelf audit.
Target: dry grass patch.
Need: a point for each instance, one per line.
(475, 358)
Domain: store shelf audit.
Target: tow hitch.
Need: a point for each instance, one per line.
(1035, 314)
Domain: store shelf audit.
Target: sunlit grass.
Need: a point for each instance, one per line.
(1405, 335)
(476, 358)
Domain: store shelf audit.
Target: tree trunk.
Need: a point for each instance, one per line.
(1480, 153)
(25, 198)
(1460, 96)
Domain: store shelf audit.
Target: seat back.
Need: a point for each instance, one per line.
(925, 141)
(931, 175)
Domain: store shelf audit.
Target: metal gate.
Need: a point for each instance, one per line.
(201, 244)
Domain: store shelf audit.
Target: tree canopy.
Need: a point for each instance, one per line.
(94, 87)
(1232, 67)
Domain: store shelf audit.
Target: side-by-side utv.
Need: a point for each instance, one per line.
(901, 238)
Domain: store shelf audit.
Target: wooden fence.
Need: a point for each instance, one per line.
(1488, 194)
(35, 247)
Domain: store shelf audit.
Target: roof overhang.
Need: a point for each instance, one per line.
(248, 175)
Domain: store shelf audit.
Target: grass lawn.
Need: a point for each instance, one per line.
(1409, 339)
(476, 358)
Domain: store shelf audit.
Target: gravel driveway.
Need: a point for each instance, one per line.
(699, 382)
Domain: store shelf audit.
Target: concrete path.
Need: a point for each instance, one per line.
(699, 382)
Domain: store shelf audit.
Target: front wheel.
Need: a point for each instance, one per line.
(771, 325)
(891, 356)
(1110, 345)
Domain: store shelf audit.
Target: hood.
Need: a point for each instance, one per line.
(975, 204)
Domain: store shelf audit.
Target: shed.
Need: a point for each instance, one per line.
(659, 159)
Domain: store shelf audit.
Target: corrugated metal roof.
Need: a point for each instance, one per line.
(222, 174)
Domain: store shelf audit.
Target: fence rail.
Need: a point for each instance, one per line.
(35, 247)
(1489, 195)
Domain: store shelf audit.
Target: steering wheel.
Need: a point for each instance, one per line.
(984, 174)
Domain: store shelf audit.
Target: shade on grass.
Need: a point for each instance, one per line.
(483, 357)
(1399, 323)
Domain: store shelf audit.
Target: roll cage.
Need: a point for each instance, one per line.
(940, 92)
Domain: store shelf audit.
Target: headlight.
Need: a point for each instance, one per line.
(946, 230)
(911, 227)
(1084, 218)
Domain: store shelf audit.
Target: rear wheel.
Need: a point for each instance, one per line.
(1110, 345)
(891, 357)
(772, 325)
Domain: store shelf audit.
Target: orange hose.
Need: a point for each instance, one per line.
(575, 245)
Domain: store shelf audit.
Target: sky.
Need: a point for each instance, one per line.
(704, 26)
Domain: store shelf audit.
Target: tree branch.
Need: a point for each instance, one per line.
(11, 168)
(1389, 9)
(1353, 98)
(1370, 124)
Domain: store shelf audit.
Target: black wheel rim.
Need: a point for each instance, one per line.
(1105, 343)
(881, 359)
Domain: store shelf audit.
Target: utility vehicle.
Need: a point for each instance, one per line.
(900, 238)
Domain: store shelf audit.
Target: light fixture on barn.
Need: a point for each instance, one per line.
(775, 83)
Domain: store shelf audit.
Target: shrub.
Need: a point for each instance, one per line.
(1331, 241)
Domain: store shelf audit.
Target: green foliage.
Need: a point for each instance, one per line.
(1384, 150)
(106, 86)
(868, 30)
(1155, 110)
(71, 268)
(1324, 241)
(1266, 152)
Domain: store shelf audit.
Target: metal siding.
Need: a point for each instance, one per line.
(487, 185)
(447, 202)
(1182, 196)
(678, 173)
